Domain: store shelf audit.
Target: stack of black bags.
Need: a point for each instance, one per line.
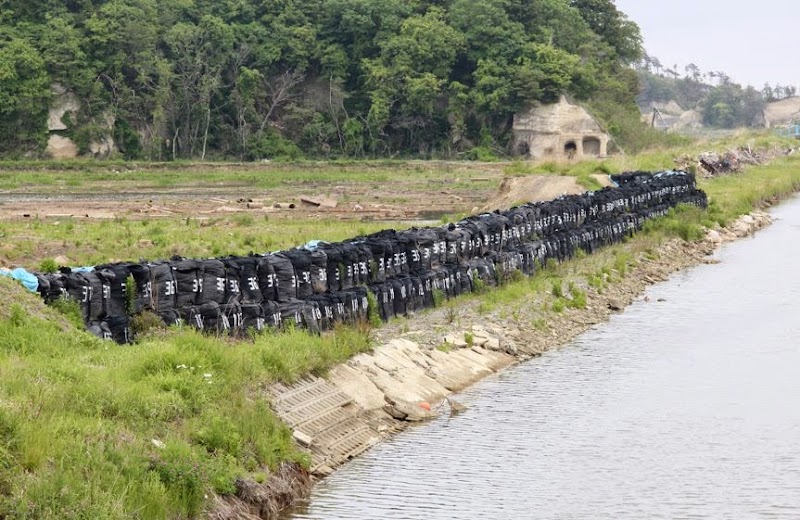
(320, 285)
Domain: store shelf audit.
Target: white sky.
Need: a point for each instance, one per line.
(754, 42)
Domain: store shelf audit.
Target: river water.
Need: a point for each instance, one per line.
(683, 408)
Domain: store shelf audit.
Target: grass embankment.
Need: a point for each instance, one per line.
(92, 430)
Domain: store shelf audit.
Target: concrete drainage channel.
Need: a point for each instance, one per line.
(374, 395)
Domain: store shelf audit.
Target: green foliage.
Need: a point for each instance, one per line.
(70, 309)
(373, 312)
(282, 80)
(48, 265)
(469, 339)
(578, 299)
(24, 96)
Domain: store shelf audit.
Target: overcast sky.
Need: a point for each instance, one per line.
(754, 42)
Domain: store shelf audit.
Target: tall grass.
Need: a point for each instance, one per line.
(89, 429)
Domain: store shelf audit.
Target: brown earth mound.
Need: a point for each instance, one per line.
(532, 188)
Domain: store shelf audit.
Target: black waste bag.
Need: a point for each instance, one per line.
(348, 270)
(402, 246)
(409, 239)
(56, 287)
(164, 288)
(400, 293)
(340, 302)
(170, 317)
(463, 278)
(214, 282)
(144, 288)
(267, 280)
(284, 272)
(392, 253)
(346, 306)
(116, 303)
(482, 269)
(453, 245)
(272, 314)
(97, 295)
(253, 318)
(191, 317)
(479, 230)
(300, 314)
(231, 319)
(395, 246)
(325, 305)
(120, 329)
(360, 303)
(233, 281)
(426, 292)
(378, 268)
(249, 281)
(291, 313)
(319, 272)
(384, 294)
(79, 289)
(301, 262)
(205, 317)
(188, 281)
(427, 254)
(494, 231)
(416, 300)
(466, 245)
(44, 286)
(311, 317)
(100, 329)
(443, 283)
(113, 292)
(335, 264)
(361, 270)
(520, 226)
(528, 253)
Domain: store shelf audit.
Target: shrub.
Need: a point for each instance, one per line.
(48, 266)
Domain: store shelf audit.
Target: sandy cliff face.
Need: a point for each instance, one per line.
(782, 112)
(63, 112)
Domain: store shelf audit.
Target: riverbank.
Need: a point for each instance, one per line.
(375, 395)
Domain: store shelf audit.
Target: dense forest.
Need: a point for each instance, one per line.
(253, 79)
(722, 102)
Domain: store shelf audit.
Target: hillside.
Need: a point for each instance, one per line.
(250, 80)
(710, 99)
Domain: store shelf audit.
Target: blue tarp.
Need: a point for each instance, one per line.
(28, 280)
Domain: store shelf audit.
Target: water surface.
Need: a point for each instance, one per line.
(685, 408)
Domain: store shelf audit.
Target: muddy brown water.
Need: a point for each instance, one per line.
(687, 407)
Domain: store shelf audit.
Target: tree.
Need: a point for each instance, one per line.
(199, 53)
(613, 27)
(693, 72)
(24, 96)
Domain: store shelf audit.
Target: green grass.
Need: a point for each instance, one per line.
(34, 243)
(89, 429)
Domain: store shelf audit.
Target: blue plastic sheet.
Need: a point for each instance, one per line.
(28, 280)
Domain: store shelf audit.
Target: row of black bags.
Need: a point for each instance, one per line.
(322, 284)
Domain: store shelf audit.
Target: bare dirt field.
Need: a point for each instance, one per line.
(409, 190)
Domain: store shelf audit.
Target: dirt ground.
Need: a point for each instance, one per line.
(466, 188)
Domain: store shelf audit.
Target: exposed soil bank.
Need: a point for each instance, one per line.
(375, 395)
